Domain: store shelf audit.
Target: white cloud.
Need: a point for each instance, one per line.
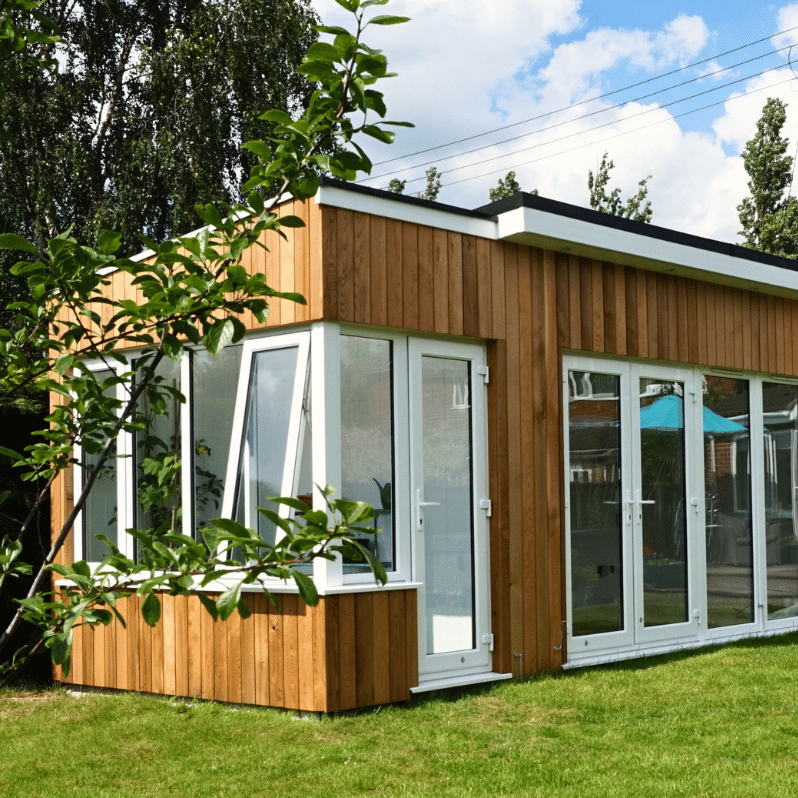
(786, 19)
(498, 64)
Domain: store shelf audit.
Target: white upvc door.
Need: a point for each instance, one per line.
(450, 505)
(634, 504)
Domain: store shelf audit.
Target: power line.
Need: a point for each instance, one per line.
(609, 138)
(590, 129)
(589, 100)
(588, 115)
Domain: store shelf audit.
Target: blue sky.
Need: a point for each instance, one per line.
(467, 67)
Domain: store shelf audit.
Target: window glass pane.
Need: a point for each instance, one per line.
(213, 397)
(100, 510)
(448, 518)
(367, 439)
(158, 497)
(265, 442)
(594, 468)
(662, 481)
(727, 479)
(780, 443)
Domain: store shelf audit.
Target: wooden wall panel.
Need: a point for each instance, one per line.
(350, 651)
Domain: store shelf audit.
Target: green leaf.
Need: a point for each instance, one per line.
(151, 609)
(322, 51)
(219, 335)
(228, 601)
(275, 115)
(291, 221)
(306, 588)
(243, 609)
(289, 501)
(60, 646)
(13, 241)
(387, 19)
(209, 605)
(64, 363)
(109, 242)
(231, 527)
(10, 453)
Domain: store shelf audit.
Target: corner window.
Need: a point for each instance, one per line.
(367, 440)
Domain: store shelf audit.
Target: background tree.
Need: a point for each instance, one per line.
(396, 186)
(433, 185)
(769, 219)
(637, 207)
(506, 187)
(190, 292)
(145, 113)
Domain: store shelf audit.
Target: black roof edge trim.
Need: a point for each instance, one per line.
(523, 200)
(378, 192)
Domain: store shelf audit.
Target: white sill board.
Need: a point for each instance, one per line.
(447, 682)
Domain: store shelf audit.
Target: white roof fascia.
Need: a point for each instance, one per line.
(576, 237)
(406, 212)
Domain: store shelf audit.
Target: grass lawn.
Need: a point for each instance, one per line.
(719, 722)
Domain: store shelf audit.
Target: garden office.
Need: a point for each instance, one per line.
(579, 434)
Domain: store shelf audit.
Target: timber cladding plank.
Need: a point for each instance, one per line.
(304, 625)
(426, 280)
(345, 262)
(379, 271)
(470, 287)
(440, 278)
(289, 606)
(361, 268)
(410, 275)
(455, 264)
(394, 250)
(529, 459)
(347, 654)
(364, 649)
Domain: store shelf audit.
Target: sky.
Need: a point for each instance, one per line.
(554, 82)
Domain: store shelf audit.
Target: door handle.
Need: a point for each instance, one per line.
(419, 509)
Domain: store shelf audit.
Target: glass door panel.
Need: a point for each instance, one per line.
(662, 512)
(727, 492)
(594, 443)
(447, 506)
(780, 440)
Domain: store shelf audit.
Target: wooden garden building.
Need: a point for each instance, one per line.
(579, 432)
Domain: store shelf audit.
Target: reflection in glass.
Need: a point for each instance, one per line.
(727, 479)
(213, 378)
(594, 468)
(158, 500)
(367, 438)
(100, 511)
(265, 442)
(448, 527)
(780, 439)
(662, 458)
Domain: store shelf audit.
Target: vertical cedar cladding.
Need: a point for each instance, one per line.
(347, 652)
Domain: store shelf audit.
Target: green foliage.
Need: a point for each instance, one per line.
(506, 187)
(637, 207)
(768, 218)
(433, 188)
(191, 292)
(397, 186)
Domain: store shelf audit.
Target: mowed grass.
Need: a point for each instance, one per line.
(720, 722)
